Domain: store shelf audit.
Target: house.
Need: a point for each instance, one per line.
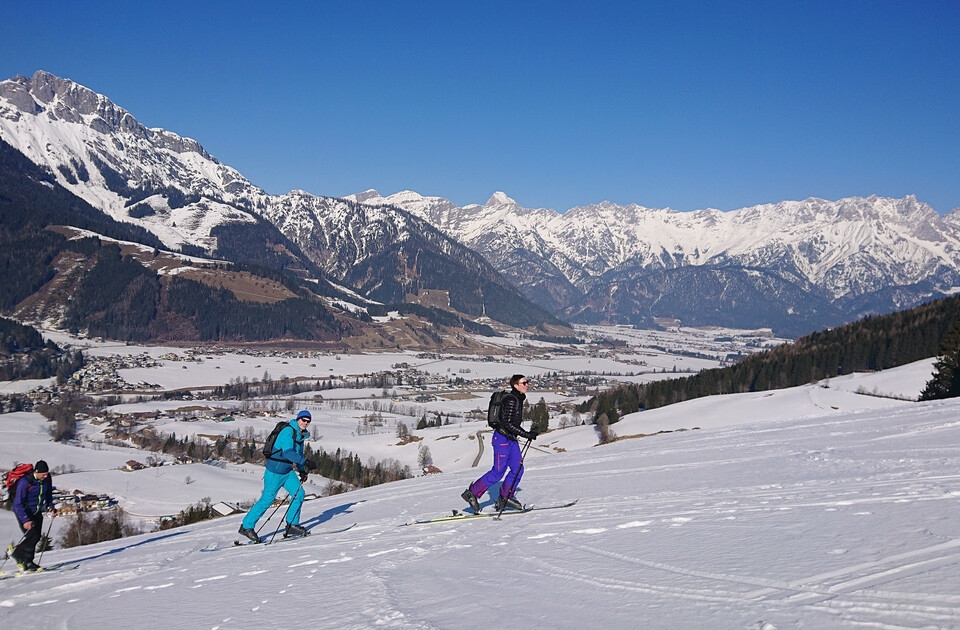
(134, 465)
(89, 501)
(224, 509)
(431, 470)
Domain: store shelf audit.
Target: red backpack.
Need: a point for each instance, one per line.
(11, 478)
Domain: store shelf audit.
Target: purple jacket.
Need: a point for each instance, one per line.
(31, 496)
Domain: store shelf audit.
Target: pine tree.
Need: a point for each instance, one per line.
(946, 376)
(540, 417)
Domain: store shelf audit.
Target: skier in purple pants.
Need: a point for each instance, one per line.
(506, 451)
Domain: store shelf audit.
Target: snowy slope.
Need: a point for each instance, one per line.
(844, 519)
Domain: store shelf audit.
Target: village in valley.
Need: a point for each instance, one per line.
(133, 400)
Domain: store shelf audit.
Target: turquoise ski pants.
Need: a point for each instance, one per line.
(272, 482)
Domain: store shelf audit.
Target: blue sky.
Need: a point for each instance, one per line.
(685, 105)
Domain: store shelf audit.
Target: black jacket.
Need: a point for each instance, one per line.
(511, 415)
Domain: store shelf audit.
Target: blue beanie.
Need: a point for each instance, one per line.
(304, 414)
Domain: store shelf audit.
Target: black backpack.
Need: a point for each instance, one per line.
(268, 445)
(495, 408)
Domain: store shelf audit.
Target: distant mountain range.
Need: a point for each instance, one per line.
(795, 266)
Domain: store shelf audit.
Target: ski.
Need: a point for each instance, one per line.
(239, 543)
(462, 516)
(63, 566)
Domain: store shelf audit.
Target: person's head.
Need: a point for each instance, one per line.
(303, 419)
(41, 470)
(519, 382)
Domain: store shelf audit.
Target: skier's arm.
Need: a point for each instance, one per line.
(49, 496)
(19, 501)
(287, 444)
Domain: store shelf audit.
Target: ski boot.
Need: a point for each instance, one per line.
(251, 534)
(295, 530)
(28, 566)
(507, 502)
(472, 500)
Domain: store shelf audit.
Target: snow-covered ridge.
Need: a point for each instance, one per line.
(98, 151)
(855, 256)
(853, 245)
(171, 186)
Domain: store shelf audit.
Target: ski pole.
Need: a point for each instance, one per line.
(47, 535)
(269, 517)
(274, 537)
(513, 486)
(6, 556)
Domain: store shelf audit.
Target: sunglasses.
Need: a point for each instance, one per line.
(522, 383)
(307, 420)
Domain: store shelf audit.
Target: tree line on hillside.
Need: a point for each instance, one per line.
(946, 370)
(118, 298)
(344, 468)
(24, 354)
(874, 343)
(115, 296)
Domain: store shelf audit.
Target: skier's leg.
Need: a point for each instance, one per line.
(271, 486)
(509, 486)
(295, 489)
(501, 458)
(24, 552)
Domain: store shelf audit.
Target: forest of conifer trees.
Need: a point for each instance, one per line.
(874, 343)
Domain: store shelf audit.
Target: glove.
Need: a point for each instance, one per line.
(303, 476)
(533, 433)
(309, 465)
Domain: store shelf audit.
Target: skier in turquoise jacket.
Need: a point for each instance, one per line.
(287, 457)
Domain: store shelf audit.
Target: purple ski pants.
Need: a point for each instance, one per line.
(506, 454)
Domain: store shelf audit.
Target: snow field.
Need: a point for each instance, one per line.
(817, 522)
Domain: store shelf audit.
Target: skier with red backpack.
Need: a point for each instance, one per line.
(32, 492)
(506, 451)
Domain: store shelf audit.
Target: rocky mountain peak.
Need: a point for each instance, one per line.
(500, 199)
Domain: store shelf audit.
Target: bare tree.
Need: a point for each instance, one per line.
(424, 458)
(603, 427)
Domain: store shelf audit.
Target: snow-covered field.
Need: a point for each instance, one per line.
(812, 507)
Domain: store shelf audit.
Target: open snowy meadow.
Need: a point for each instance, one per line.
(825, 506)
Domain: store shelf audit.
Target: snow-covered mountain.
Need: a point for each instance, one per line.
(796, 266)
(813, 258)
(150, 177)
(172, 187)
